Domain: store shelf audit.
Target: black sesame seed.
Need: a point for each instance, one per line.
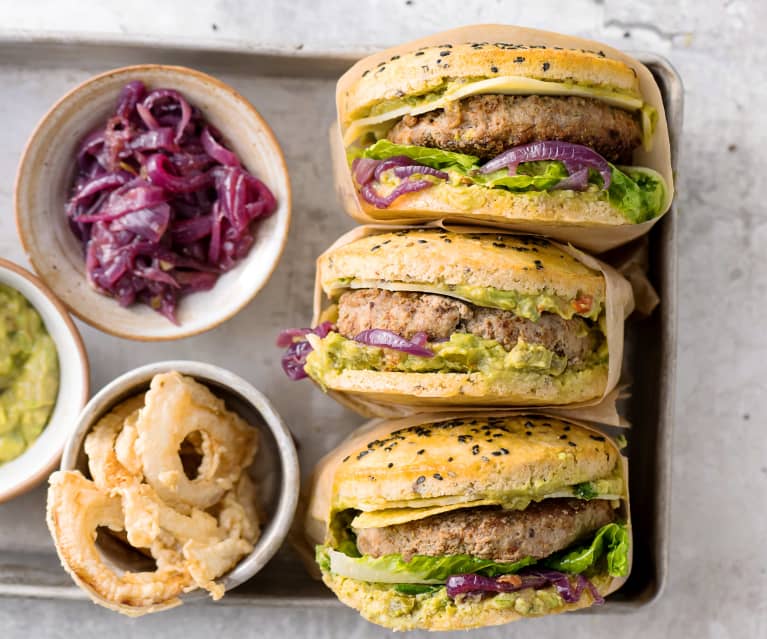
(375, 248)
(419, 53)
(573, 444)
(394, 57)
(449, 459)
(546, 66)
(346, 459)
(597, 438)
(563, 437)
(475, 449)
(422, 241)
(444, 53)
(364, 73)
(494, 69)
(447, 240)
(390, 464)
(496, 453)
(437, 476)
(566, 429)
(538, 265)
(519, 59)
(528, 433)
(420, 480)
(499, 245)
(421, 452)
(362, 454)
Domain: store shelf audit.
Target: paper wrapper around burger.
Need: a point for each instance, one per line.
(592, 237)
(316, 503)
(619, 303)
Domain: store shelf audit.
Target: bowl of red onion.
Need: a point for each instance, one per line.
(154, 201)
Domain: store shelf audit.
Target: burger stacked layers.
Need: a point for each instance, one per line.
(501, 132)
(461, 523)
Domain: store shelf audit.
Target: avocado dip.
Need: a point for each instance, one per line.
(29, 374)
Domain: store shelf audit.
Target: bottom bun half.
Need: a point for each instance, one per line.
(383, 605)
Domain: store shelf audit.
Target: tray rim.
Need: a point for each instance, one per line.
(329, 62)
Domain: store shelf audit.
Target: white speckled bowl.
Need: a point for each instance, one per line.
(34, 464)
(275, 468)
(45, 177)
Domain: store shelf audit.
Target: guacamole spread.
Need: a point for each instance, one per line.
(29, 374)
(462, 353)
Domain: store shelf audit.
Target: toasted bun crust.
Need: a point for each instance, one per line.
(433, 256)
(471, 458)
(499, 206)
(423, 390)
(425, 69)
(379, 604)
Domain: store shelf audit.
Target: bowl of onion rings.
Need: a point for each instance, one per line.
(180, 478)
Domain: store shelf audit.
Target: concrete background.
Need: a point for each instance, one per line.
(718, 557)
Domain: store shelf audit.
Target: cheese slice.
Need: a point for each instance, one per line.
(394, 516)
(506, 85)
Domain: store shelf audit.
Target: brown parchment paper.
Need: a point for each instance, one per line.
(317, 494)
(619, 303)
(592, 237)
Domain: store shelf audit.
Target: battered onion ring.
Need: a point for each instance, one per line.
(76, 508)
(238, 513)
(106, 470)
(125, 444)
(176, 406)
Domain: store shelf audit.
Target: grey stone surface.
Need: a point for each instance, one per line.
(718, 557)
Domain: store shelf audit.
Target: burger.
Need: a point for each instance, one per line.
(432, 317)
(503, 132)
(469, 522)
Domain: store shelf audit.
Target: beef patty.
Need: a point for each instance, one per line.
(486, 125)
(438, 316)
(538, 531)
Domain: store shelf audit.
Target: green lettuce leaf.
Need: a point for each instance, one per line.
(435, 158)
(419, 570)
(638, 193)
(610, 541)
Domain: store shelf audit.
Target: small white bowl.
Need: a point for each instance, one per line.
(35, 463)
(44, 181)
(275, 468)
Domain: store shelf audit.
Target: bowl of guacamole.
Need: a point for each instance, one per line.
(43, 379)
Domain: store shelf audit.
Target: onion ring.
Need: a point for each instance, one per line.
(76, 508)
(176, 406)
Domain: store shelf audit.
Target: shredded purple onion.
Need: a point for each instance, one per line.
(407, 171)
(294, 358)
(574, 156)
(367, 172)
(161, 206)
(578, 181)
(298, 348)
(363, 169)
(381, 202)
(531, 578)
(387, 339)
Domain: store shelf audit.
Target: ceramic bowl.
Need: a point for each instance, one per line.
(45, 177)
(275, 468)
(35, 463)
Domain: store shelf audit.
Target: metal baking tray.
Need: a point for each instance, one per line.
(295, 93)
